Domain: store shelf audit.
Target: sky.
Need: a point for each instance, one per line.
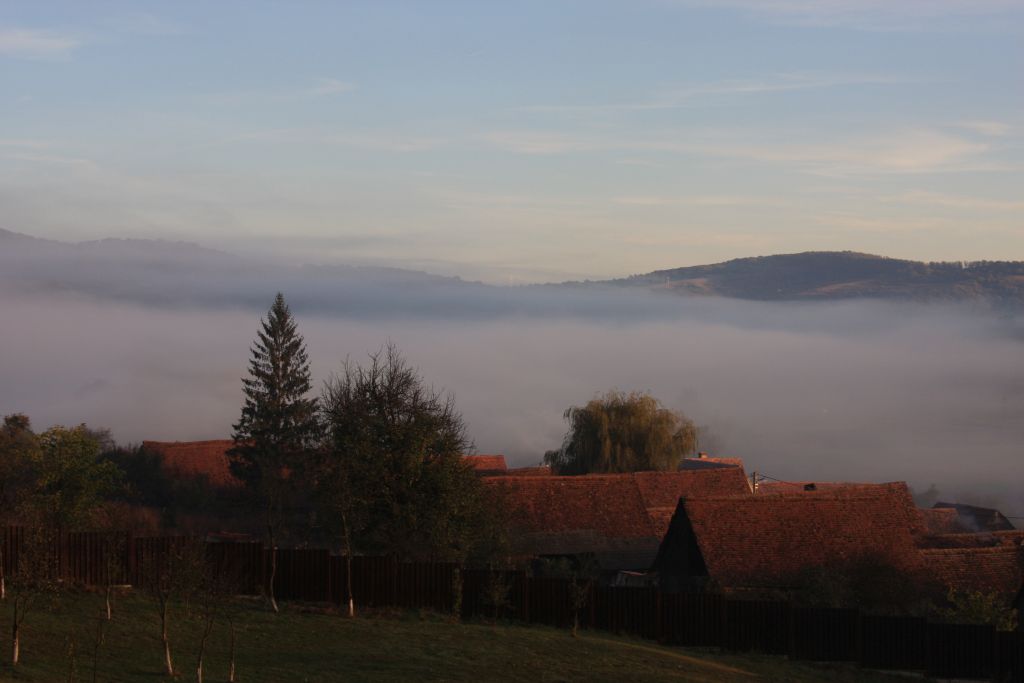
(520, 141)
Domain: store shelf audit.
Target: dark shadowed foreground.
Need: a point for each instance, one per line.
(312, 646)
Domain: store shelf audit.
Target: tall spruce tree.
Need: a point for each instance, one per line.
(278, 424)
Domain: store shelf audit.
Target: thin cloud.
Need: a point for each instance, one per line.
(691, 95)
(958, 201)
(24, 43)
(910, 151)
(699, 201)
(990, 128)
(872, 15)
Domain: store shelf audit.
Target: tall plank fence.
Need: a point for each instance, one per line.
(686, 619)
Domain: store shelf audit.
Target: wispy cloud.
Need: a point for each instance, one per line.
(699, 201)
(25, 43)
(144, 24)
(874, 15)
(905, 151)
(683, 96)
(382, 140)
(541, 142)
(24, 143)
(948, 201)
(990, 128)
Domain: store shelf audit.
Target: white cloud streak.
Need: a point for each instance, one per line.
(27, 43)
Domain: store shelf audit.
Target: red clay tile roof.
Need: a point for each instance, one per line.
(974, 518)
(620, 514)
(538, 471)
(981, 539)
(767, 540)
(998, 569)
(660, 519)
(196, 459)
(801, 486)
(610, 505)
(486, 464)
(942, 521)
(708, 463)
(664, 489)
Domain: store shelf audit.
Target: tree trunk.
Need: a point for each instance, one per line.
(231, 663)
(202, 650)
(3, 575)
(15, 642)
(109, 606)
(273, 564)
(168, 662)
(348, 564)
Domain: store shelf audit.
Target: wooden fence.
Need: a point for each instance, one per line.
(685, 619)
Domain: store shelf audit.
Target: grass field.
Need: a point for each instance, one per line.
(305, 644)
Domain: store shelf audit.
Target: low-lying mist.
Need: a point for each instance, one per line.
(853, 390)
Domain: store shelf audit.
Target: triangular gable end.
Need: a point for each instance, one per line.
(680, 563)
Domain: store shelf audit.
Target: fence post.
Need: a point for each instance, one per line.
(658, 626)
(527, 580)
(393, 567)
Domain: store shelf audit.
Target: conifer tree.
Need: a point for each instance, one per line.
(278, 423)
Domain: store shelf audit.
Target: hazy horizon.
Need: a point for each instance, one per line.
(535, 141)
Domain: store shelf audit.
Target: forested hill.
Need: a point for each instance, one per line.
(819, 275)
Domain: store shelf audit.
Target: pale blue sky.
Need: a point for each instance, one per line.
(519, 141)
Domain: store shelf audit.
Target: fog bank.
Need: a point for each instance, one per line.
(854, 390)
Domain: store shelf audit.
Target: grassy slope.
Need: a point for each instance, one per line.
(300, 645)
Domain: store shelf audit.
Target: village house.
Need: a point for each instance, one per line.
(760, 543)
(617, 519)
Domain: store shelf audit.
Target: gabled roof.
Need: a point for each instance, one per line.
(196, 459)
(664, 489)
(942, 521)
(768, 540)
(974, 518)
(607, 514)
(997, 569)
(537, 471)
(808, 486)
(610, 505)
(704, 463)
(486, 464)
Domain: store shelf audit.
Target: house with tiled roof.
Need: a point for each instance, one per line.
(198, 460)
(942, 521)
(618, 518)
(975, 518)
(535, 471)
(995, 569)
(487, 465)
(766, 541)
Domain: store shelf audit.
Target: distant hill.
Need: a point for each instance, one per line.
(824, 275)
(164, 273)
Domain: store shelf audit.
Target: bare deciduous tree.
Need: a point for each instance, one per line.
(169, 575)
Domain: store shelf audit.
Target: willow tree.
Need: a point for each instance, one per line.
(620, 432)
(278, 424)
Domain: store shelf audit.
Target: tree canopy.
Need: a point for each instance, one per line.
(392, 471)
(620, 432)
(278, 422)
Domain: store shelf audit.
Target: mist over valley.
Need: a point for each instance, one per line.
(150, 339)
